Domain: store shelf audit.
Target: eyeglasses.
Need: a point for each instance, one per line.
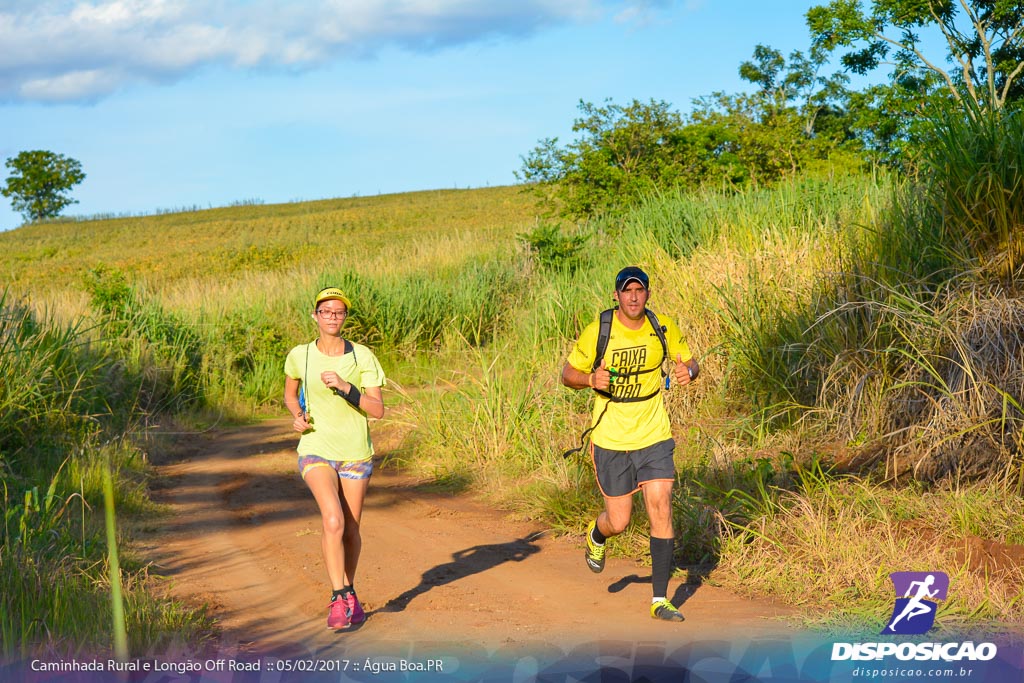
(332, 315)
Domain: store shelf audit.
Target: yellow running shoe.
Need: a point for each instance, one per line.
(595, 551)
(666, 611)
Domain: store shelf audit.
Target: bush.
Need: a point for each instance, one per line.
(159, 347)
(553, 249)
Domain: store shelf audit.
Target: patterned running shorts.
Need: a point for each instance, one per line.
(346, 469)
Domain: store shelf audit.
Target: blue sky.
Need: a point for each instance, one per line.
(180, 103)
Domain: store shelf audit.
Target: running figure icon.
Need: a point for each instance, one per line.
(916, 604)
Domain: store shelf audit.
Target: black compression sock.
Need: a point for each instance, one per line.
(597, 536)
(661, 564)
(340, 593)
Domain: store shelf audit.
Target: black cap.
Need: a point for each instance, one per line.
(631, 274)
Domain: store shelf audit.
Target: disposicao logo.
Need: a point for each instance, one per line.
(917, 600)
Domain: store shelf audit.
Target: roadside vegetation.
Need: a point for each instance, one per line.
(109, 327)
(68, 410)
(857, 313)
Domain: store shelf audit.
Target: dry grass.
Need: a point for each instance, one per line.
(830, 547)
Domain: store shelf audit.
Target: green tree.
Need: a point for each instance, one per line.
(622, 153)
(39, 183)
(984, 41)
(794, 123)
(891, 119)
(755, 144)
(797, 83)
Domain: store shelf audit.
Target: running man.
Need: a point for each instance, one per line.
(631, 440)
(331, 387)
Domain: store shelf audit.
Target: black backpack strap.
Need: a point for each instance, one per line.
(604, 333)
(586, 433)
(659, 330)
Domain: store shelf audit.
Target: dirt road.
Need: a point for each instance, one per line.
(438, 574)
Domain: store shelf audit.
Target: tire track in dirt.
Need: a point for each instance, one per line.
(243, 536)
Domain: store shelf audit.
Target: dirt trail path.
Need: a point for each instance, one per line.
(436, 569)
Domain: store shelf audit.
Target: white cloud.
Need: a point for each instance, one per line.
(73, 50)
(70, 85)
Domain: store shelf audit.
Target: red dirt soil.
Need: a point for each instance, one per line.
(244, 538)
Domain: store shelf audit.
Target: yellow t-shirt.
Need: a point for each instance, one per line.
(638, 424)
(340, 431)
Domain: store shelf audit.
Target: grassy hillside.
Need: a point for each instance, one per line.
(187, 257)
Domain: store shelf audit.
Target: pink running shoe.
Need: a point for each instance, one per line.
(337, 615)
(356, 615)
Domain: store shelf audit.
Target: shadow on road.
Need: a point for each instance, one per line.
(474, 560)
(696, 575)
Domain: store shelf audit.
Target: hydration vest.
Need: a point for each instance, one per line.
(604, 332)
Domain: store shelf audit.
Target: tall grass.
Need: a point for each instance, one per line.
(231, 357)
(974, 193)
(419, 310)
(57, 391)
(681, 222)
(488, 422)
(158, 346)
(114, 564)
(66, 404)
(936, 389)
(912, 348)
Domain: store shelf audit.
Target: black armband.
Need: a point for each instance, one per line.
(352, 396)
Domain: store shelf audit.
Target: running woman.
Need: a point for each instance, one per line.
(332, 385)
(631, 440)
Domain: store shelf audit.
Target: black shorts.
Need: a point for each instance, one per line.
(621, 473)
